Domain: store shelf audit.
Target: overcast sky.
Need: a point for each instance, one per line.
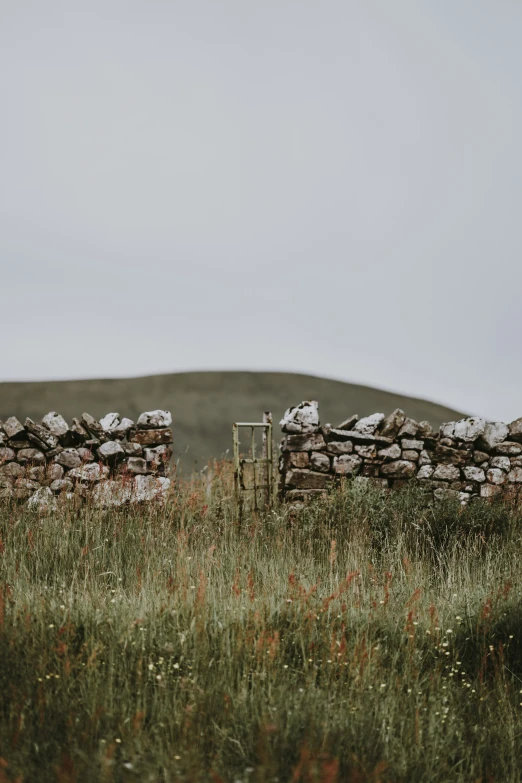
(331, 187)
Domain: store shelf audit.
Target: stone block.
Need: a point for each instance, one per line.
(509, 448)
(399, 468)
(472, 473)
(319, 462)
(504, 463)
(93, 427)
(425, 472)
(347, 464)
(313, 442)
(89, 473)
(469, 429)
(409, 429)
(6, 454)
(68, 458)
(411, 456)
(367, 451)
(111, 452)
(496, 476)
(155, 420)
(349, 424)
(489, 490)
(298, 459)
(515, 430)
(424, 458)
(495, 432)
(392, 424)
(86, 455)
(41, 436)
(479, 457)
(61, 485)
(306, 479)
(132, 449)
(13, 470)
(412, 445)
(55, 423)
(340, 447)
(14, 429)
(54, 471)
(137, 465)
(393, 452)
(31, 455)
(446, 473)
(369, 425)
(301, 419)
(515, 476)
(152, 437)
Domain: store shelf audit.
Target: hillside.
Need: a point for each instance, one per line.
(205, 404)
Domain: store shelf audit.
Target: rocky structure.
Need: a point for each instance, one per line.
(465, 459)
(112, 462)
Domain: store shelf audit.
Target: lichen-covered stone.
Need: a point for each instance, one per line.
(495, 432)
(55, 423)
(6, 454)
(504, 463)
(515, 476)
(313, 442)
(489, 490)
(392, 424)
(319, 461)
(347, 464)
(369, 424)
(446, 473)
(69, 458)
(393, 452)
(472, 473)
(137, 465)
(111, 451)
(42, 500)
(515, 430)
(90, 472)
(340, 447)
(496, 476)
(30, 455)
(14, 429)
(61, 485)
(399, 468)
(412, 445)
(301, 419)
(509, 448)
(149, 488)
(367, 451)
(469, 429)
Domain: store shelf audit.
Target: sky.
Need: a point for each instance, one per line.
(326, 187)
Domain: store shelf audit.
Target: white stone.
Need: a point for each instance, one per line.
(301, 419)
(495, 432)
(496, 476)
(119, 430)
(469, 429)
(111, 493)
(473, 473)
(425, 472)
(55, 423)
(503, 463)
(447, 430)
(424, 458)
(151, 420)
(446, 473)
(110, 421)
(148, 488)
(369, 424)
(515, 476)
(42, 500)
(90, 473)
(111, 451)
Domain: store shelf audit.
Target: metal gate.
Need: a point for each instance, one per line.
(267, 486)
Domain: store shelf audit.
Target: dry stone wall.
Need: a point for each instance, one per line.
(112, 461)
(465, 459)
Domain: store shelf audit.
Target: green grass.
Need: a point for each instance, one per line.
(205, 404)
(367, 637)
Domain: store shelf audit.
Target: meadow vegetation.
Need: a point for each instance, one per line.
(369, 636)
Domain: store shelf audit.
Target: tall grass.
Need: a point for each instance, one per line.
(367, 637)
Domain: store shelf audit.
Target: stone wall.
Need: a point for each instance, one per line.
(465, 459)
(112, 461)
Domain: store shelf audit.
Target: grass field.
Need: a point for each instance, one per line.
(205, 404)
(367, 637)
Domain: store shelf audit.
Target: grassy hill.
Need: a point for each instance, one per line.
(205, 404)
